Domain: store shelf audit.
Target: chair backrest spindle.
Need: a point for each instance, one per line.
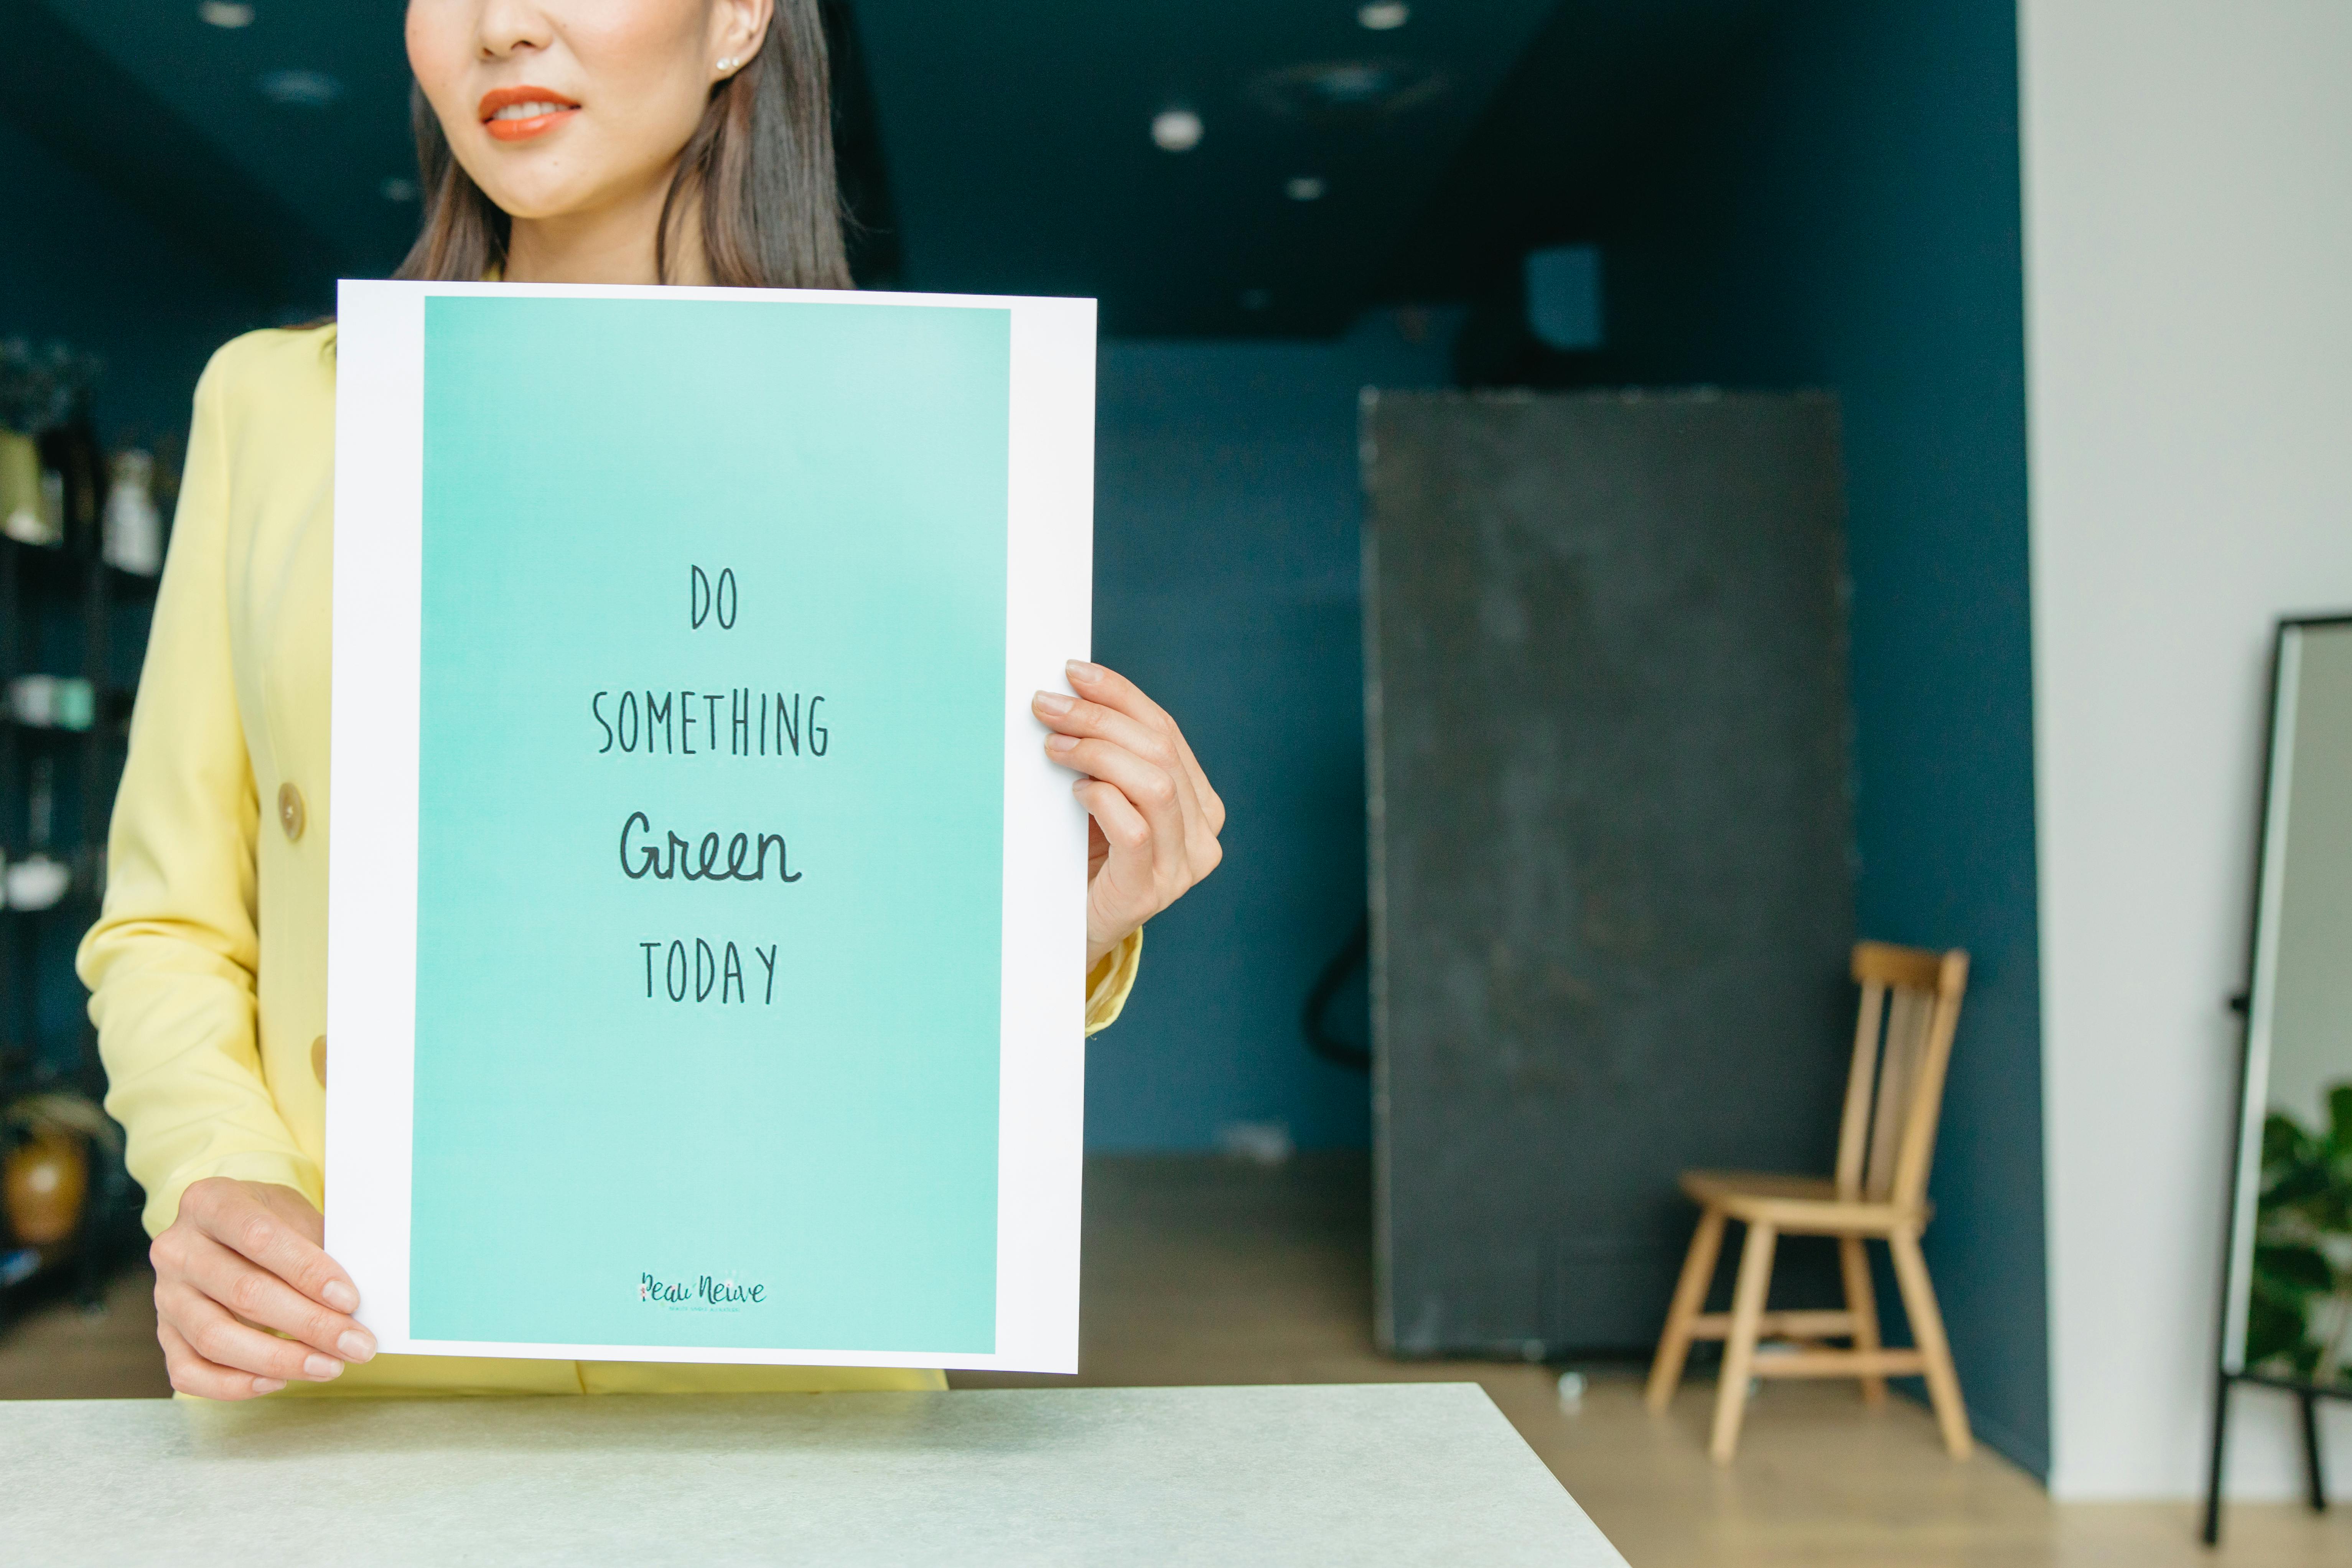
(1854, 1128)
(1903, 1043)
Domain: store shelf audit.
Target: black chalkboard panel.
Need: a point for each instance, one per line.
(1610, 841)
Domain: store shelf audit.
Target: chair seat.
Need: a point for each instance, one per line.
(1801, 1205)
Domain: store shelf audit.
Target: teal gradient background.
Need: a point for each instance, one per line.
(838, 1146)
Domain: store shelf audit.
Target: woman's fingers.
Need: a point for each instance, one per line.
(1213, 804)
(284, 1243)
(1152, 809)
(192, 1374)
(1142, 727)
(239, 1259)
(1128, 884)
(1097, 684)
(1113, 689)
(1099, 720)
(214, 1334)
(1152, 791)
(261, 1298)
(1163, 750)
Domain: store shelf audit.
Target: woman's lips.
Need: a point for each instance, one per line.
(519, 113)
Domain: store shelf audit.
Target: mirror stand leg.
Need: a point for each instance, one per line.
(2314, 1471)
(2212, 1531)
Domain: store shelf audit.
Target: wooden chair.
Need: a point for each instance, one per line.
(1911, 1000)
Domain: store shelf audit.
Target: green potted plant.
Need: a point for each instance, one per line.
(2299, 1319)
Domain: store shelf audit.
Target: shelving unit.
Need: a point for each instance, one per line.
(64, 612)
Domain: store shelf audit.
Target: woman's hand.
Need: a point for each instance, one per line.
(1155, 820)
(244, 1258)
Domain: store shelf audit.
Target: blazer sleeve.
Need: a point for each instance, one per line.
(1111, 979)
(171, 961)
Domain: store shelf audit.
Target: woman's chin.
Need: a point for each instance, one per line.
(540, 204)
(530, 186)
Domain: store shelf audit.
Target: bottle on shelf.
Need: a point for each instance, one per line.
(134, 524)
(37, 881)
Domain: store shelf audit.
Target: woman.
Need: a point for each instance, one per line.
(562, 141)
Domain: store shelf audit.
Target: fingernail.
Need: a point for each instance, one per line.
(323, 1367)
(357, 1344)
(268, 1384)
(1053, 702)
(1061, 745)
(340, 1296)
(1081, 670)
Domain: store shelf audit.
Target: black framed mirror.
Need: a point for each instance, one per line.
(2286, 1295)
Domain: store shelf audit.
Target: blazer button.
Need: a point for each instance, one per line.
(318, 1059)
(290, 813)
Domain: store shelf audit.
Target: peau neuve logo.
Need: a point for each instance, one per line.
(704, 1293)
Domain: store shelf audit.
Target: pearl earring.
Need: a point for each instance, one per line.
(728, 64)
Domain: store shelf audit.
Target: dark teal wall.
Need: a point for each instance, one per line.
(1848, 216)
(1227, 571)
(79, 265)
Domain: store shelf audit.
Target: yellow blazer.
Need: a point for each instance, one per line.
(208, 968)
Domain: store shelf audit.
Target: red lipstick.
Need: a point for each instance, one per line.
(551, 110)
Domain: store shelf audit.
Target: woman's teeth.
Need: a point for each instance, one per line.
(530, 110)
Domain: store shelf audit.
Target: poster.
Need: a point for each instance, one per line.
(706, 924)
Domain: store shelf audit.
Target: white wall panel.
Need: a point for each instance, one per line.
(2189, 243)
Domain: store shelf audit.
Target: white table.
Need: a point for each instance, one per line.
(1355, 1475)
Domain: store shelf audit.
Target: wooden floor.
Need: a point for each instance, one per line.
(1211, 1271)
(59, 1351)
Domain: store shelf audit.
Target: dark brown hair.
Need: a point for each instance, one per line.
(761, 163)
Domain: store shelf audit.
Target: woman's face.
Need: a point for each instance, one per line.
(558, 107)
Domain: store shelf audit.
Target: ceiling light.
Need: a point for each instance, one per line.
(1176, 130)
(1305, 188)
(225, 14)
(1348, 92)
(300, 88)
(1384, 16)
(398, 190)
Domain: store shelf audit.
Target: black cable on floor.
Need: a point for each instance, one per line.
(1328, 984)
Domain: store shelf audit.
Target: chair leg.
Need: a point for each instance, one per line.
(1927, 1333)
(1740, 1348)
(1862, 1301)
(1690, 1299)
